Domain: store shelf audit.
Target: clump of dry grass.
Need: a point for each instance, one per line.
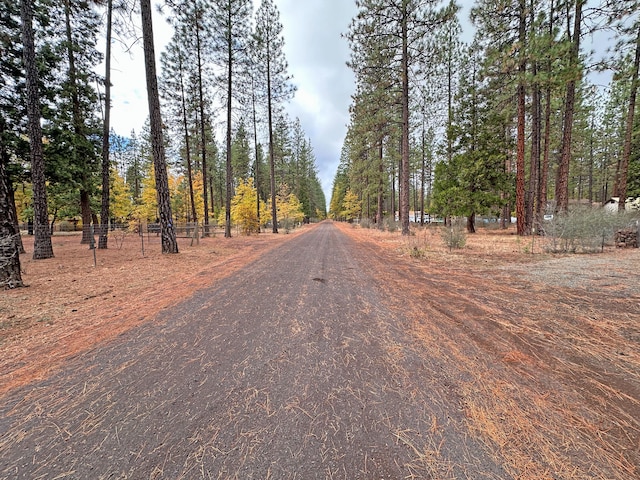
(551, 371)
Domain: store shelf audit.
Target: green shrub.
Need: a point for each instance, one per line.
(455, 235)
(391, 225)
(365, 222)
(584, 230)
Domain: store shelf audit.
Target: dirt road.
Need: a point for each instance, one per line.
(324, 359)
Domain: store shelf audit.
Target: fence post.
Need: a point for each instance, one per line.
(141, 233)
(92, 245)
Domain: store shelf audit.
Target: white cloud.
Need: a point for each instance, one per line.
(316, 54)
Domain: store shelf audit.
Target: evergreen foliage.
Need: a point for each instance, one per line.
(512, 127)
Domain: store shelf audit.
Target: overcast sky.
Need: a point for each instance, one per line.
(316, 54)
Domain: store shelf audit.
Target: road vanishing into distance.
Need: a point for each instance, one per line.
(298, 366)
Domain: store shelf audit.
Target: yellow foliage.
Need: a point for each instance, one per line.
(243, 207)
(120, 203)
(351, 206)
(290, 208)
(148, 209)
(24, 201)
(198, 198)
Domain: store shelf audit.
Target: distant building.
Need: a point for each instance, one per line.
(631, 203)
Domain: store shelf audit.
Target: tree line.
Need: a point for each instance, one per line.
(508, 124)
(217, 128)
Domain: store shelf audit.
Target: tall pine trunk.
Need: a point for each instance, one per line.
(78, 130)
(380, 209)
(106, 166)
(42, 247)
(534, 165)
(562, 179)
(541, 203)
(168, 233)
(229, 165)
(257, 158)
(536, 130)
(12, 212)
(10, 275)
(272, 160)
(404, 172)
(187, 144)
(521, 225)
(203, 132)
(623, 173)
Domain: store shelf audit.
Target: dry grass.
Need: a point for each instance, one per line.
(545, 347)
(71, 305)
(536, 353)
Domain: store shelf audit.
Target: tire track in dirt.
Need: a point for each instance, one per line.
(538, 368)
(293, 367)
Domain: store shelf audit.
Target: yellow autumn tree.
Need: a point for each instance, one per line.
(351, 206)
(148, 208)
(179, 201)
(197, 194)
(289, 208)
(24, 201)
(120, 202)
(243, 207)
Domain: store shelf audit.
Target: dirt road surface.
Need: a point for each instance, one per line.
(328, 358)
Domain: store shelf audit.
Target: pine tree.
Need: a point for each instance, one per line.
(628, 27)
(399, 31)
(192, 19)
(106, 164)
(10, 274)
(474, 181)
(174, 89)
(12, 110)
(231, 22)
(168, 233)
(562, 177)
(79, 97)
(269, 47)
(42, 247)
(241, 154)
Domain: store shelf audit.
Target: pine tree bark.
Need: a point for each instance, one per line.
(404, 173)
(187, 141)
(536, 130)
(257, 158)
(541, 203)
(106, 165)
(272, 159)
(229, 192)
(521, 225)
(78, 130)
(42, 247)
(14, 215)
(12, 212)
(562, 179)
(380, 210)
(10, 275)
(203, 144)
(623, 173)
(167, 233)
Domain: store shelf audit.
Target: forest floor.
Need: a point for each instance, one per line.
(546, 346)
(70, 305)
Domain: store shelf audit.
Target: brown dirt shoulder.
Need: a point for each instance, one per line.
(70, 305)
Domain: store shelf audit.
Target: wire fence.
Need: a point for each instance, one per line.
(183, 230)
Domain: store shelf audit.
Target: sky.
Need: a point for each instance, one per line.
(316, 54)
